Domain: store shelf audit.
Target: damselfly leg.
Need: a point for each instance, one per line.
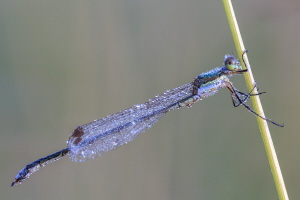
(237, 101)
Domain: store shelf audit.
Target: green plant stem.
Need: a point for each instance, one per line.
(262, 124)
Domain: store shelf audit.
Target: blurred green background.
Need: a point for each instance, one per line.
(66, 63)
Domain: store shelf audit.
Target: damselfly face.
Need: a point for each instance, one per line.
(233, 65)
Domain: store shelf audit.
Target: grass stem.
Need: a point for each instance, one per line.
(262, 124)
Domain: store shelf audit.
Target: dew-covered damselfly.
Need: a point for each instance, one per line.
(103, 135)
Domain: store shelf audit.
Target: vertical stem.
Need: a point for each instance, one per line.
(262, 124)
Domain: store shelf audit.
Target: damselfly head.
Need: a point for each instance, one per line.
(233, 65)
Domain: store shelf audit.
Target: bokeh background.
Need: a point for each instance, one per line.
(66, 63)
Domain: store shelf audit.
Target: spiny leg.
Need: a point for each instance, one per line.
(247, 96)
(266, 119)
(234, 94)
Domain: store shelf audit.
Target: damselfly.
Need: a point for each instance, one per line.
(103, 135)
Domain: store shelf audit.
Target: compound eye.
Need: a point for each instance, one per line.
(231, 63)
